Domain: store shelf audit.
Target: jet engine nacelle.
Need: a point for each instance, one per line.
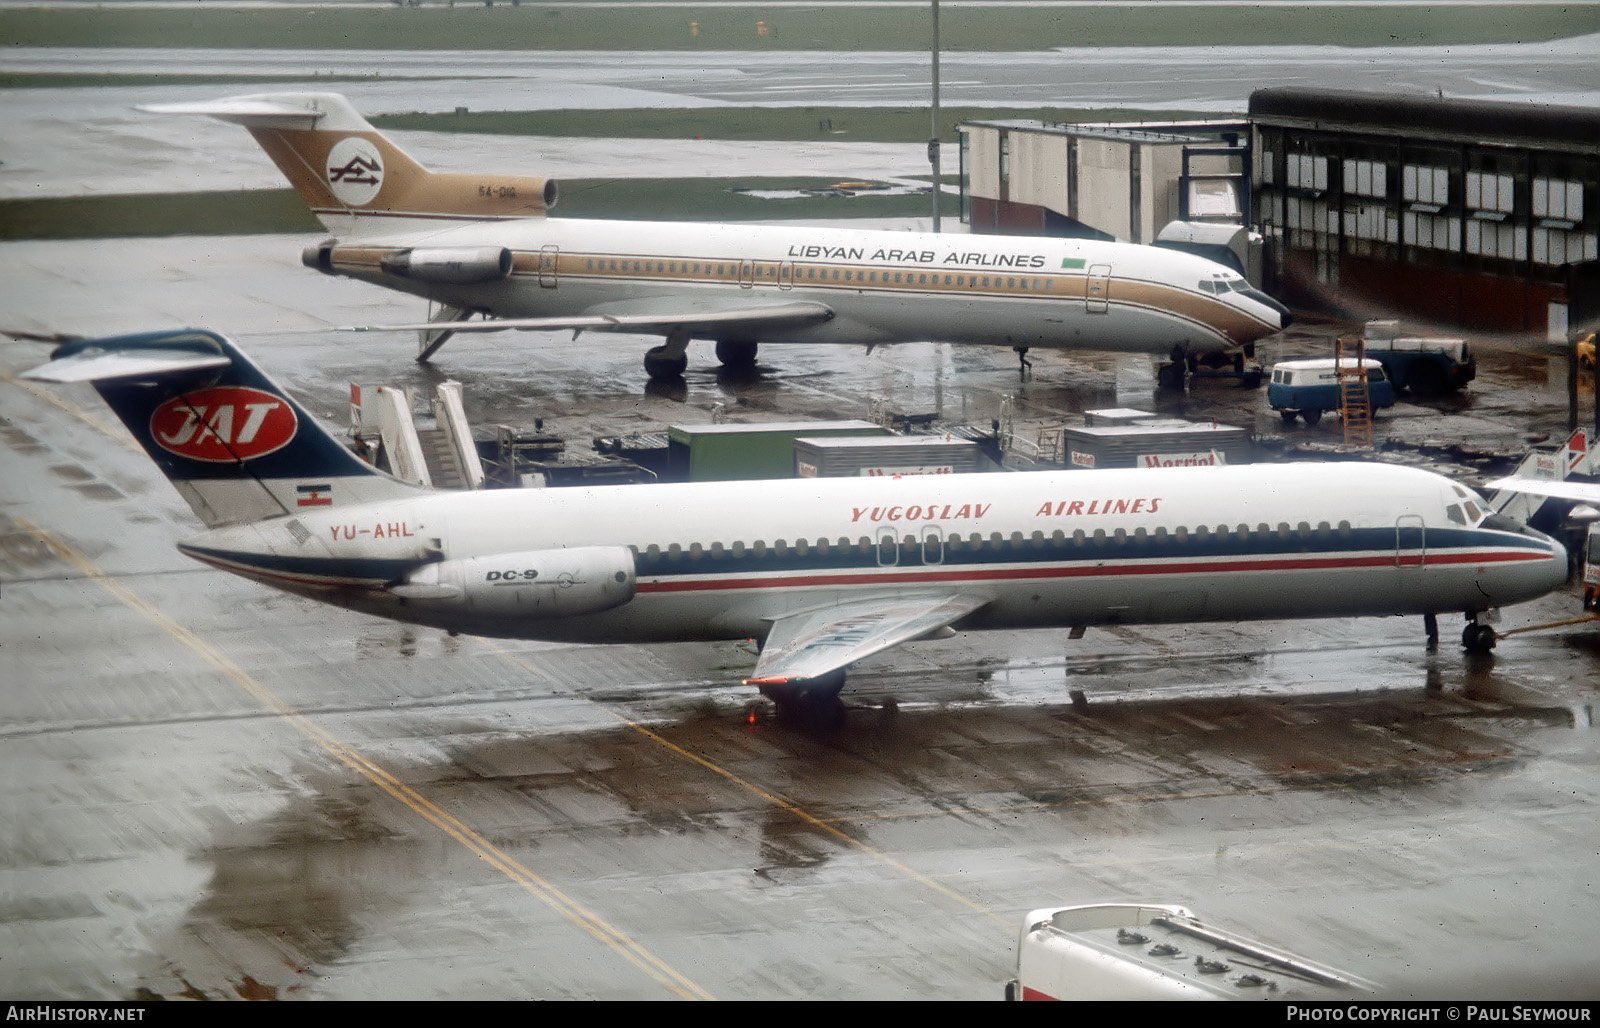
(536, 583)
(452, 265)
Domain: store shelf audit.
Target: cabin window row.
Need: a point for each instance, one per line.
(995, 541)
(814, 274)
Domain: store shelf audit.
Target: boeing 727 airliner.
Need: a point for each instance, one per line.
(825, 572)
(479, 244)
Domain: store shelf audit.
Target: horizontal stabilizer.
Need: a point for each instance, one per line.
(105, 365)
(799, 311)
(813, 643)
(245, 110)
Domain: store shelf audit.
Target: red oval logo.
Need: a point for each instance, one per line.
(224, 424)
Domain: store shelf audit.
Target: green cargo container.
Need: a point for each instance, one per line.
(728, 453)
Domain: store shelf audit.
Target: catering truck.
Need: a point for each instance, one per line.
(1147, 951)
(1425, 365)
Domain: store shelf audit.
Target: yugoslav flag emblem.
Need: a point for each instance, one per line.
(224, 424)
(318, 495)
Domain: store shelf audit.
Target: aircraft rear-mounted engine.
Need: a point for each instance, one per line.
(536, 583)
(453, 265)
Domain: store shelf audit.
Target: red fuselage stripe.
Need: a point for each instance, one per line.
(944, 575)
(937, 575)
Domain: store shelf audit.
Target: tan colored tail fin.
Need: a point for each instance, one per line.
(352, 177)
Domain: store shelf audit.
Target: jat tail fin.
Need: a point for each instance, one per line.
(353, 177)
(232, 441)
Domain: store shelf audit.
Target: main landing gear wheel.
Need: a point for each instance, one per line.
(660, 363)
(669, 360)
(1478, 638)
(810, 703)
(736, 353)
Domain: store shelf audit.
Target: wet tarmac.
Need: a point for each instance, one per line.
(218, 791)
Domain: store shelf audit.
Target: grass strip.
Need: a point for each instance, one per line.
(256, 212)
(755, 28)
(787, 124)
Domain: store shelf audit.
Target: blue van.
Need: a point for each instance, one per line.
(1310, 388)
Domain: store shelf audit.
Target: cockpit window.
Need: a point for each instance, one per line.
(1218, 286)
(1472, 506)
(1453, 512)
(1501, 523)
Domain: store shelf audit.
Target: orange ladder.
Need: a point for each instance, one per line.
(1355, 402)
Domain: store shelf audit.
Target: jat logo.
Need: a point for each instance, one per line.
(355, 171)
(224, 424)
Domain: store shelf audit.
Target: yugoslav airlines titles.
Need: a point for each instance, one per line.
(937, 513)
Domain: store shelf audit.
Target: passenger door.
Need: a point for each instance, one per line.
(549, 258)
(1410, 535)
(1097, 289)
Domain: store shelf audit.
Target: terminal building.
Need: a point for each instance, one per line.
(1483, 215)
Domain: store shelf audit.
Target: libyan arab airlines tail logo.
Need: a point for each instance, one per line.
(224, 424)
(360, 171)
(355, 171)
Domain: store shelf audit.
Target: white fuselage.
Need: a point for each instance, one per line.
(720, 560)
(882, 287)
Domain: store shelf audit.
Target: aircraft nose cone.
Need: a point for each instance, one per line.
(1559, 565)
(1548, 574)
(1285, 318)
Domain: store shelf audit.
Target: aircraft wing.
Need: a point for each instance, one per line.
(1561, 488)
(645, 316)
(812, 643)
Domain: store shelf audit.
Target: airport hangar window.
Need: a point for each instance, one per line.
(1371, 220)
(1496, 201)
(1431, 192)
(1565, 210)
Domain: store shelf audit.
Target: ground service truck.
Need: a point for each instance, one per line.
(1133, 951)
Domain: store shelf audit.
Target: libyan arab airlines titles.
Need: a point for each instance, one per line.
(968, 259)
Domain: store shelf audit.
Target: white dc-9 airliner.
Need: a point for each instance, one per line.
(479, 244)
(825, 572)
